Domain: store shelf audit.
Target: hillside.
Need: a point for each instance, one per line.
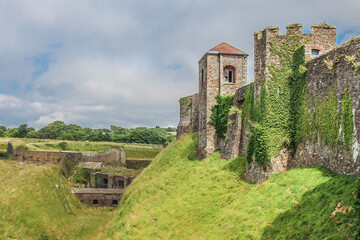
(180, 198)
(36, 203)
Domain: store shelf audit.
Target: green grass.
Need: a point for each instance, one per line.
(134, 153)
(141, 153)
(179, 198)
(32, 207)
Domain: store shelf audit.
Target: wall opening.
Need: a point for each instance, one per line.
(114, 202)
(315, 52)
(202, 78)
(95, 202)
(121, 184)
(229, 74)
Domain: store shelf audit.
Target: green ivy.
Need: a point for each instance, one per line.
(220, 114)
(328, 120)
(185, 101)
(347, 119)
(274, 117)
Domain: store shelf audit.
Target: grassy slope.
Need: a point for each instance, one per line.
(175, 198)
(31, 207)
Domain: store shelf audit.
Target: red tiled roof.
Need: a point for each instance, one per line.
(226, 48)
(316, 47)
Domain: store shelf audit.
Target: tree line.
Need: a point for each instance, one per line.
(61, 131)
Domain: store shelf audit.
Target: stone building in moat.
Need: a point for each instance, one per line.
(223, 70)
(106, 189)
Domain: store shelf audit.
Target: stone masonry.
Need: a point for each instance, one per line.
(213, 80)
(322, 42)
(189, 115)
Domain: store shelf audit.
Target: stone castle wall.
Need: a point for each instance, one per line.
(236, 139)
(209, 88)
(189, 115)
(322, 37)
(319, 78)
(211, 83)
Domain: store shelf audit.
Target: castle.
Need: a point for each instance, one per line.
(223, 70)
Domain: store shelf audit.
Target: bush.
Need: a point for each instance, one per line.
(220, 114)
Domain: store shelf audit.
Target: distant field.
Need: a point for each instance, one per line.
(137, 153)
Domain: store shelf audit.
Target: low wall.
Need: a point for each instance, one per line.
(137, 164)
(111, 157)
(68, 160)
(99, 197)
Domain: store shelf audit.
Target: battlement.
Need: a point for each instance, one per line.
(297, 29)
(321, 39)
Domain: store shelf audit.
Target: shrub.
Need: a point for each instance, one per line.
(220, 114)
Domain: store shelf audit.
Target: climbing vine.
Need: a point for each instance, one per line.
(185, 101)
(274, 117)
(327, 119)
(347, 119)
(220, 114)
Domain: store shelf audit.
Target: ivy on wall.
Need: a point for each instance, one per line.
(347, 119)
(284, 116)
(274, 117)
(328, 120)
(220, 114)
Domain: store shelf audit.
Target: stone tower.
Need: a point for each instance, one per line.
(222, 70)
(321, 39)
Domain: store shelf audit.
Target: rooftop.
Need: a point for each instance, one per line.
(98, 190)
(227, 49)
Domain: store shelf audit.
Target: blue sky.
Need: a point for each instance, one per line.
(100, 63)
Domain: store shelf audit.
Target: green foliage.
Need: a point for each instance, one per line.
(72, 132)
(12, 132)
(62, 145)
(220, 114)
(347, 119)
(274, 117)
(328, 120)
(304, 129)
(80, 175)
(185, 101)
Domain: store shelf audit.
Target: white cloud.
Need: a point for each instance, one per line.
(127, 62)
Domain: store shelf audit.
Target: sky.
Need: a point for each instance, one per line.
(98, 63)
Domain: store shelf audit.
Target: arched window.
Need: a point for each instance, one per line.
(229, 74)
(114, 202)
(95, 202)
(315, 52)
(202, 77)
